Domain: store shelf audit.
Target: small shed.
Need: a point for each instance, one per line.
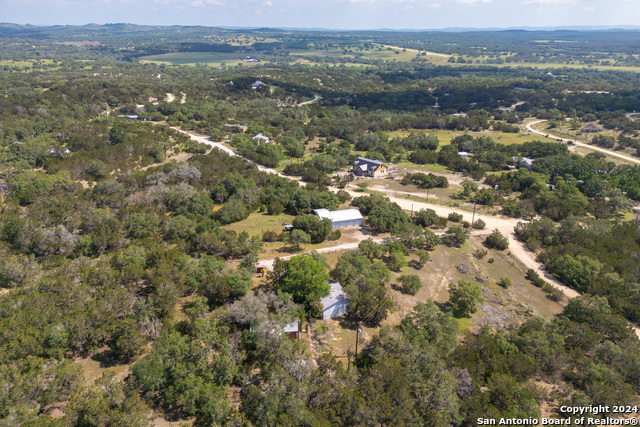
(259, 268)
(288, 227)
(292, 330)
(342, 218)
(335, 304)
(463, 154)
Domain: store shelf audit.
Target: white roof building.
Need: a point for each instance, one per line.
(341, 218)
(262, 137)
(291, 327)
(335, 304)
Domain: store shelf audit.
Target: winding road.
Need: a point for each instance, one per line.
(621, 156)
(503, 224)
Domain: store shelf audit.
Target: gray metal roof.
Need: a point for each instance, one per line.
(336, 301)
(370, 164)
(291, 327)
(341, 215)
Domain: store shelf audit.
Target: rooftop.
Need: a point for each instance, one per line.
(336, 295)
(341, 215)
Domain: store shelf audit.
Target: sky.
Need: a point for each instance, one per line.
(331, 14)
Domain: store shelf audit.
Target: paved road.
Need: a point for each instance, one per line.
(611, 153)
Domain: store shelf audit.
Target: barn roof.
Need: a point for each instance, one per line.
(341, 215)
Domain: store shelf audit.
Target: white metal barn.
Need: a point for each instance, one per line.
(335, 304)
(342, 218)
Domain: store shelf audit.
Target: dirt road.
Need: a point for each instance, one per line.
(503, 224)
(268, 263)
(315, 99)
(611, 153)
(229, 151)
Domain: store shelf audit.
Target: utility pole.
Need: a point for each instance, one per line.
(474, 213)
(357, 336)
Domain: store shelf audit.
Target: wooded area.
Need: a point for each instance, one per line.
(117, 246)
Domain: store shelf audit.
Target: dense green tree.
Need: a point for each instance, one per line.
(464, 297)
(305, 279)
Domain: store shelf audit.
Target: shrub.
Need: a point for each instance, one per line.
(479, 224)
(335, 234)
(455, 217)
(270, 236)
(497, 240)
(535, 278)
(465, 297)
(397, 261)
(410, 284)
(423, 257)
(480, 253)
(455, 236)
(275, 208)
(553, 293)
(504, 282)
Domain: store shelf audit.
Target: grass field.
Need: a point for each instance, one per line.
(543, 65)
(445, 136)
(257, 223)
(217, 59)
(214, 59)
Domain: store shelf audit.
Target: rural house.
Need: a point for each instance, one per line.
(335, 304)
(523, 162)
(262, 137)
(369, 168)
(342, 218)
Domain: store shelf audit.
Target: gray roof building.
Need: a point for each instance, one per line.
(335, 304)
(368, 167)
(342, 218)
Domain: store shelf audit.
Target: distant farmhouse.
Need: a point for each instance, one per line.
(335, 304)
(250, 59)
(261, 138)
(342, 218)
(369, 168)
(256, 84)
(523, 162)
